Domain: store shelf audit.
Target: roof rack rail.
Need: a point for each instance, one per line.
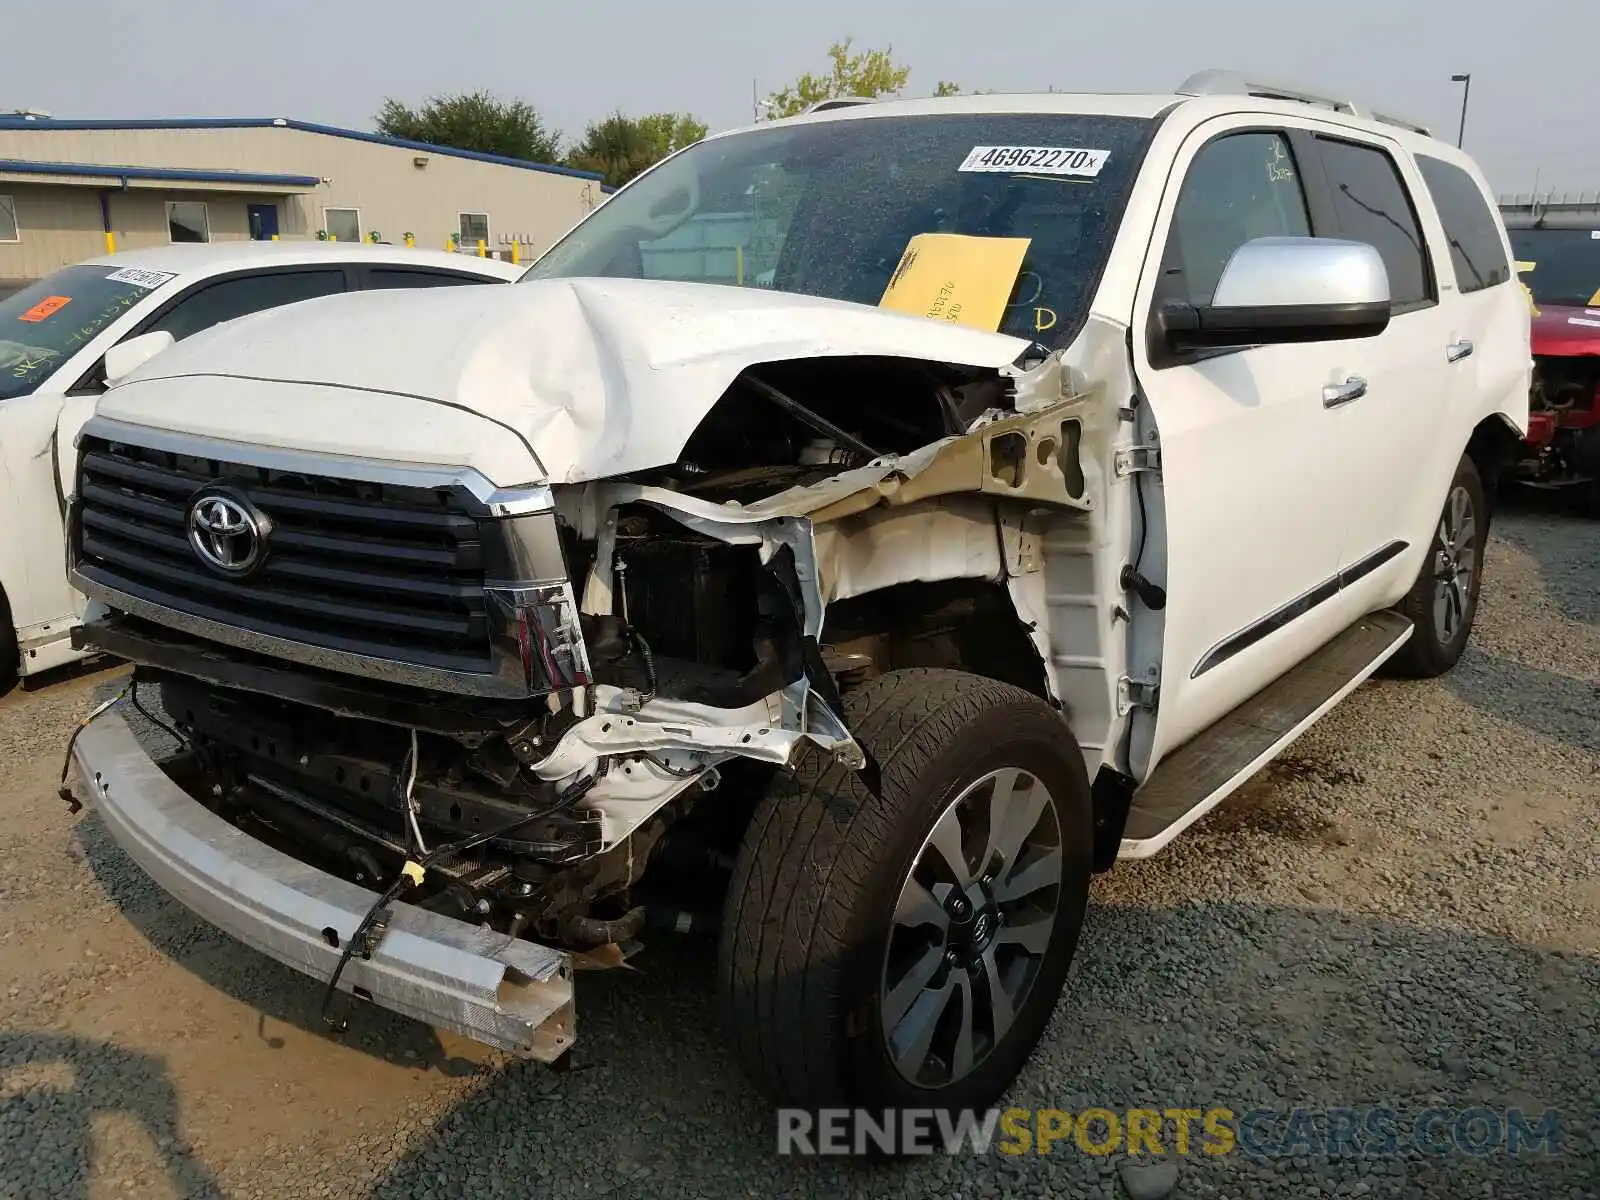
(836, 102)
(1236, 83)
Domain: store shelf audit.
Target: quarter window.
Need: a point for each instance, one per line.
(343, 224)
(1371, 205)
(1240, 187)
(188, 221)
(1477, 250)
(474, 229)
(8, 220)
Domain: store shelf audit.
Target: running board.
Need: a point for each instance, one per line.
(1199, 775)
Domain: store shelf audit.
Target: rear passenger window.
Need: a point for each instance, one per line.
(1476, 247)
(1371, 205)
(212, 304)
(1240, 187)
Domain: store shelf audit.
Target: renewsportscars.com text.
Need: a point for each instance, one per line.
(1376, 1131)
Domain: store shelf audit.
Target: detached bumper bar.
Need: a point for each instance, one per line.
(505, 992)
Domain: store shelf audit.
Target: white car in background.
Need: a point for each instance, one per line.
(55, 339)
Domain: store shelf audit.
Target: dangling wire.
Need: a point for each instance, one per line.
(409, 800)
(133, 698)
(642, 648)
(369, 933)
(65, 792)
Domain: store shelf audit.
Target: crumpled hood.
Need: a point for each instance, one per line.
(596, 377)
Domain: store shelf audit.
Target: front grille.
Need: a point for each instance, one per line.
(363, 568)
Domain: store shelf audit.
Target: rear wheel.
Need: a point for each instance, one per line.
(1444, 600)
(906, 950)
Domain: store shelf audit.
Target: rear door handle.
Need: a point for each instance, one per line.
(1336, 394)
(1456, 351)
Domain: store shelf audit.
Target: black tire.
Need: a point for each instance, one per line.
(1432, 649)
(10, 657)
(810, 910)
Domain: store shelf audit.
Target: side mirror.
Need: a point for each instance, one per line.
(125, 358)
(1284, 289)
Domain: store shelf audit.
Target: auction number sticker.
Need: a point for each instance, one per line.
(142, 279)
(1036, 160)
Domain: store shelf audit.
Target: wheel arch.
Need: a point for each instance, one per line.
(1493, 447)
(963, 624)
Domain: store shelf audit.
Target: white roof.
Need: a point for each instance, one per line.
(210, 258)
(1109, 104)
(1209, 102)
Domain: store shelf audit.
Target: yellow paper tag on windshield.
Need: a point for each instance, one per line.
(956, 278)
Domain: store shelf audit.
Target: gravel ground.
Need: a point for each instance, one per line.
(1406, 912)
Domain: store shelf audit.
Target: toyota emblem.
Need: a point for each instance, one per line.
(226, 532)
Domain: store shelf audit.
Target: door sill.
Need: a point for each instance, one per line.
(1201, 774)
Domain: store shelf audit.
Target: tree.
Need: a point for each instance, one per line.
(668, 132)
(620, 147)
(473, 121)
(869, 73)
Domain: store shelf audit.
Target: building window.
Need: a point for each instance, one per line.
(187, 221)
(474, 229)
(343, 224)
(8, 220)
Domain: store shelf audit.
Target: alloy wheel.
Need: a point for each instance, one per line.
(973, 922)
(1455, 561)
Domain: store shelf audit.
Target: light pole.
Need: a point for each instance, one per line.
(1466, 91)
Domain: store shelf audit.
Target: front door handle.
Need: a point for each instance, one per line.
(1336, 394)
(1456, 351)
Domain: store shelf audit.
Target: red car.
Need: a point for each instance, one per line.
(1558, 258)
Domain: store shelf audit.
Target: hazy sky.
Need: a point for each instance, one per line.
(1534, 106)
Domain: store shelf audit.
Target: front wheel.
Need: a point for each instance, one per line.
(907, 949)
(1443, 601)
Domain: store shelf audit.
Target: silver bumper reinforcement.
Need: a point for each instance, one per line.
(505, 992)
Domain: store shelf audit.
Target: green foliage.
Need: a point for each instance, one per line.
(620, 147)
(474, 121)
(668, 132)
(868, 73)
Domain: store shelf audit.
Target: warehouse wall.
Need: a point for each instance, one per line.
(60, 224)
(57, 225)
(392, 194)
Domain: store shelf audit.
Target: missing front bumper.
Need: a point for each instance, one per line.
(504, 992)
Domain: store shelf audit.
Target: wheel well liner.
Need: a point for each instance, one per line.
(966, 624)
(1493, 447)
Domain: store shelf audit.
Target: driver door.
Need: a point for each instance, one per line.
(1249, 483)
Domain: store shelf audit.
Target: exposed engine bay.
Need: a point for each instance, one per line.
(706, 638)
(789, 424)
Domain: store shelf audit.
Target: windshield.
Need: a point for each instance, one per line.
(1559, 266)
(828, 209)
(46, 323)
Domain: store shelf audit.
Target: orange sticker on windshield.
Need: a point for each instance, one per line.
(45, 308)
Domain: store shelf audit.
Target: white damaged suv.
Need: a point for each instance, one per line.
(682, 582)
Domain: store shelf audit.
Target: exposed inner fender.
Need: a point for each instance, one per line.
(802, 709)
